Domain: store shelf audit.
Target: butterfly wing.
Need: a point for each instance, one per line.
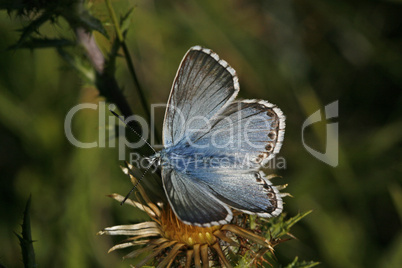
(251, 131)
(247, 191)
(192, 202)
(204, 84)
(204, 200)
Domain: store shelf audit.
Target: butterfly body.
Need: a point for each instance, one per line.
(214, 146)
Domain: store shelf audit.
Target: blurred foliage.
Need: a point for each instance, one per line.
(300, 55)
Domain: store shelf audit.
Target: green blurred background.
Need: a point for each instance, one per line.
(300, 55)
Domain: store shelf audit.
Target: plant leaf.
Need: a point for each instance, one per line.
(125, 21)
(26, 243)
(32, 27)
(278, 227)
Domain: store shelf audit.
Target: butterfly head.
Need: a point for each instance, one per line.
(156, 158)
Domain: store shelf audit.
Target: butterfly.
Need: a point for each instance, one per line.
(215, 146)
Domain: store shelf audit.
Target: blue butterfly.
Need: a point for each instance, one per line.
(215, 146)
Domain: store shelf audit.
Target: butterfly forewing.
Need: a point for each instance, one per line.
(203, 85)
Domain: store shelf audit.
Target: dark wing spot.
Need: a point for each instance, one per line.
(269, 147)
(272, 135)
(271, 113)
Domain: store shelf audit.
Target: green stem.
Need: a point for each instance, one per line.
(130, 65)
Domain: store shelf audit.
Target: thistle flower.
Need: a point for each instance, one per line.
(168, 241)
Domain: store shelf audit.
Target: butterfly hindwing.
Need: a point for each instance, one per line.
(191, 202)
(247, 191)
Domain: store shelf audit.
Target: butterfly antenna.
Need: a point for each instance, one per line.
(137, 183)
(122, 120)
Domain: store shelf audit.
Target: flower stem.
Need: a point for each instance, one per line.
(130, 65)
